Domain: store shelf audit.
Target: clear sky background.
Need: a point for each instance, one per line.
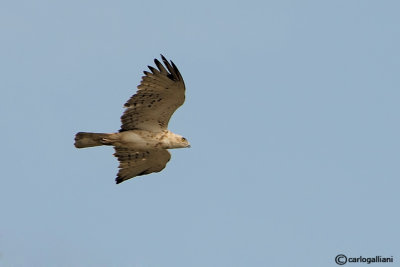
(292, 111)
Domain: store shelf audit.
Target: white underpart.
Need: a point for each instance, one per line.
(142, 140)
(139, 140)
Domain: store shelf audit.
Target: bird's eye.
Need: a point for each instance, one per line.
(183, 139)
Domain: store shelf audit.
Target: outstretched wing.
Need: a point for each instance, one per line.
(159, 94)
(136, 163)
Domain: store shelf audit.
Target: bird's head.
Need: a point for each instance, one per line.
(179, 141)
(185, 142)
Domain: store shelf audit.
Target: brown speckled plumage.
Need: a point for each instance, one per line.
(142, 142)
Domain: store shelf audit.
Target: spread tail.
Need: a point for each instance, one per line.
(83, 140)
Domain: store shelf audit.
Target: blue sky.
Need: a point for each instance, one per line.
(292, 110)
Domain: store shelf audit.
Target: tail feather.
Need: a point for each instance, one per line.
(83, 140)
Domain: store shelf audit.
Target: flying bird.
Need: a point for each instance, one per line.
(142, 142)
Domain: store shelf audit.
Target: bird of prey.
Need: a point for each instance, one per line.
(142, 142)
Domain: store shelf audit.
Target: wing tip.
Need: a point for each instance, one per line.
(153, 70)
(118, 180)
(172, 68)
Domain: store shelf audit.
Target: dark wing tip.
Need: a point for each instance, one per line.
(118, 180)
(170, 69)
(165, 62)
(174, 73)
(177, 72)
(152, 69)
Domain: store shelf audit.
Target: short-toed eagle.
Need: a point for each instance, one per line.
(142, 142)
